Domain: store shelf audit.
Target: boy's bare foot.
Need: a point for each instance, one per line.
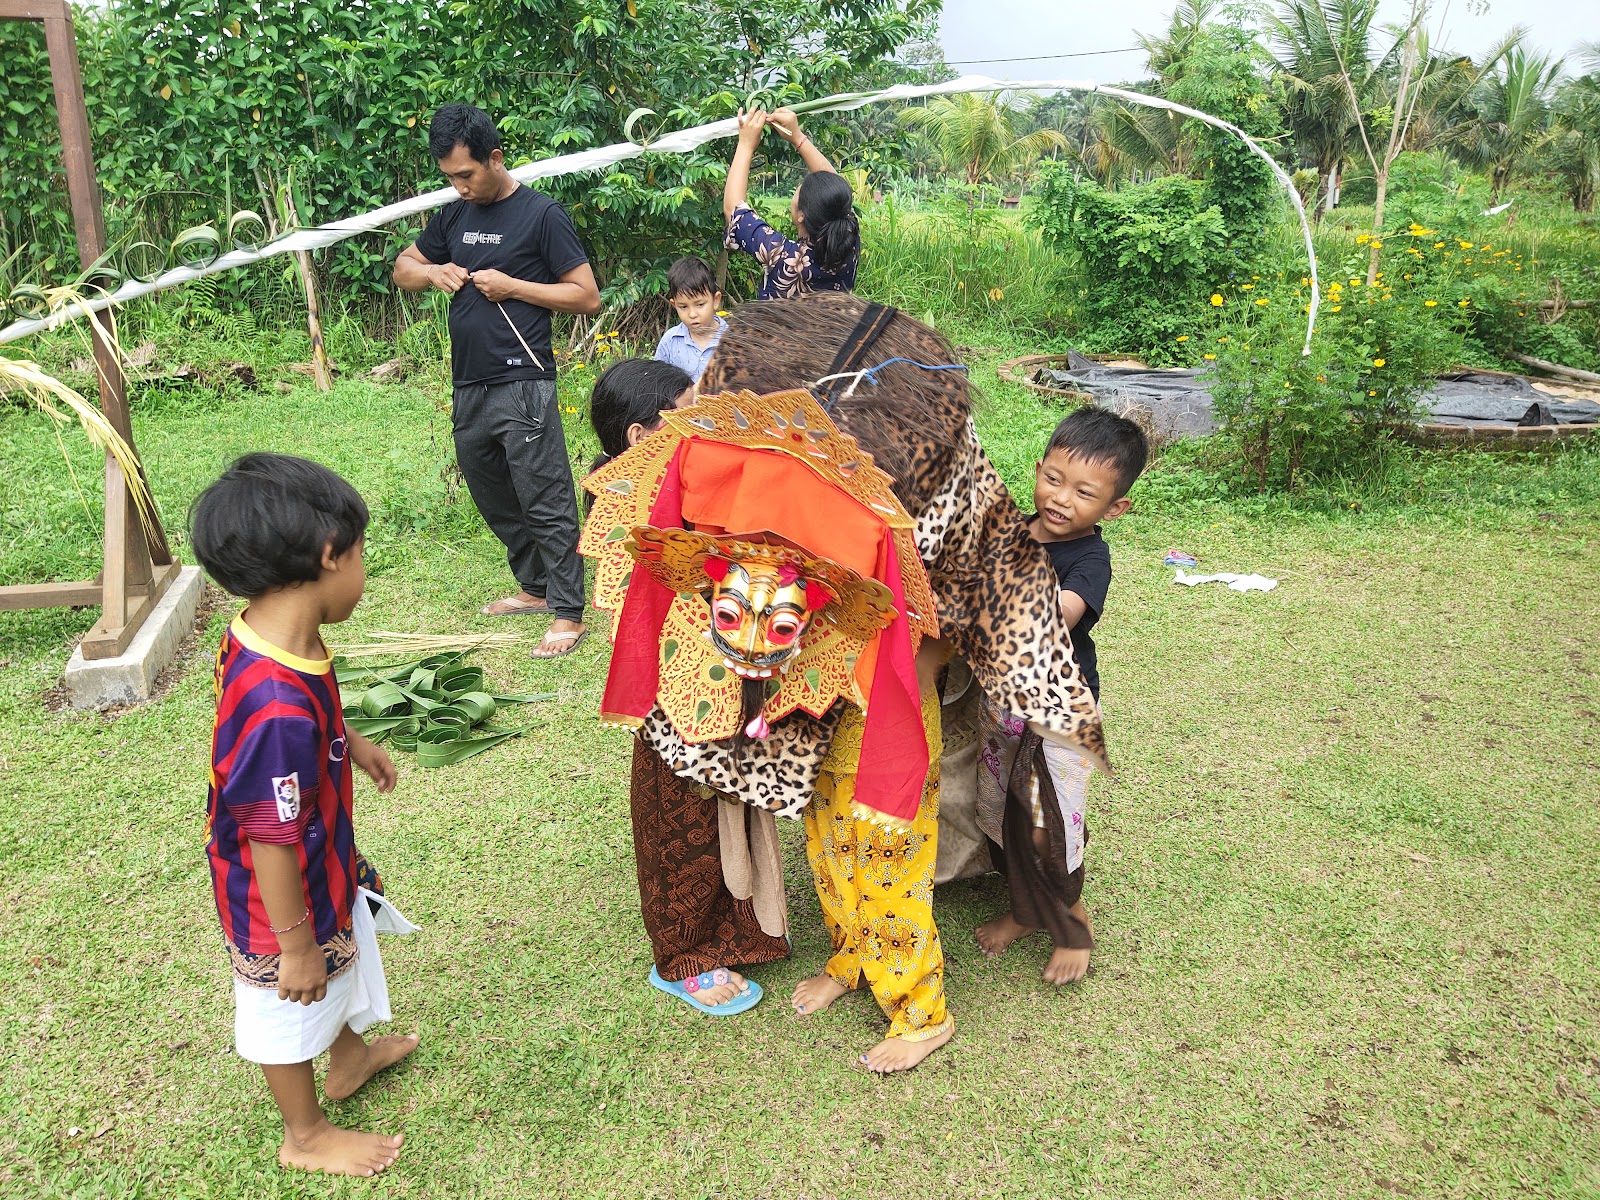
(815, 994)
(1069, 966)
(897, 1054)
(1066, 966)
(339, 1151)
(995, 937)
(347, 1072)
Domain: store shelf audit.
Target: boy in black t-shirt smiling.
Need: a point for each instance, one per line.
(1031, 792)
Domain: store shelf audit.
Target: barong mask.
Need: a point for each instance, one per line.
(759, 610)
(761, 561)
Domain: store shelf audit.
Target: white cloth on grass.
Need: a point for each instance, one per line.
(1237, 583)
(277, 1032)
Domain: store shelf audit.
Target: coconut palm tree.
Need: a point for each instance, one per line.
(1572, 148)
(980, 136)
(1511, 113)
(1326, 59)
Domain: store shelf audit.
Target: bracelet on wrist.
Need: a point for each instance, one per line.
(304, 917)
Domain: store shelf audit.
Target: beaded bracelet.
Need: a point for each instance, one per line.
(304, 917)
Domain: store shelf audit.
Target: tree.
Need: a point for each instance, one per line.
(1511, 112)
(1326, 61)
(980, 135)
(1572, 148)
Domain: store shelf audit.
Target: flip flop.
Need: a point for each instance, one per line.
(576, 641)
(749, 998)
(518, 608)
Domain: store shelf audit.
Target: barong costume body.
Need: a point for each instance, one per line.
(778, 471)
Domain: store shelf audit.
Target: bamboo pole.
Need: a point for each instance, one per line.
(308, 278)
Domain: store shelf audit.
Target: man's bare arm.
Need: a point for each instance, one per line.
(414, 273)
(575, 292)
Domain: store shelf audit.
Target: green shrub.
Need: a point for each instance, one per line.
(1150, 255)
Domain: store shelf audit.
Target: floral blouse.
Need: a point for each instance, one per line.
(789, 273)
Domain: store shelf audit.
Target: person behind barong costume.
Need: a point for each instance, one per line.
(299, 905)
(1031, 793)
(953, 534)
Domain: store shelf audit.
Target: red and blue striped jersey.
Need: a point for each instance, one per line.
(280, 773)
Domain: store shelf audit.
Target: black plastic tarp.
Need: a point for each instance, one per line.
(1179, 401)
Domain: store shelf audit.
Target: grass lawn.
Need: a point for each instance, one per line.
(1344, 884)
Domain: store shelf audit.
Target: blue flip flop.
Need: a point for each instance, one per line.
(686, 990)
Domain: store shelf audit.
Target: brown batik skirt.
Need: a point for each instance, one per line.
(694, 922)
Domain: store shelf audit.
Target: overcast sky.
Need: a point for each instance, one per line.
(987, 29)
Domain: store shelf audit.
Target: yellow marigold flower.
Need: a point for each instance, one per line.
(1183, 337)
(1370, 393)
(1377, 244)
(1355, 283)
(1430, 304)
(1222, 339)
(1405, 277)
(1378, 362)
(613, 333)
(1262, 300)
(1208, 357)
(722, 312)
(1255, 277)
(996, 295)
(1363, 239)
(1245, 287)
(1438, 245)
(1216, 299)
(1462, 303)
(1336, 308)
(1464, 245)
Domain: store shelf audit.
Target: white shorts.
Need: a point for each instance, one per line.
(277, 1032)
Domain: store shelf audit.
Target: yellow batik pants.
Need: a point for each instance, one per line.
(875, 883)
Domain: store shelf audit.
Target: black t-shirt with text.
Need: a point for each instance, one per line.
(529, 237)
(1083, 565)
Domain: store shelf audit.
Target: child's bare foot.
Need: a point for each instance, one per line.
(348, 1071)
(995, 937)
(1069, 966)
(339, 1151)
(815, 994)
(1066, 966)
(897, 1054)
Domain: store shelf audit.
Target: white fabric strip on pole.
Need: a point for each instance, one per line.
(678, 142)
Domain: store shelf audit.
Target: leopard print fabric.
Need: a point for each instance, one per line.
(777, 774)
(994, 586)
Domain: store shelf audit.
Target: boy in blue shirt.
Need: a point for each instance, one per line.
(692, 292)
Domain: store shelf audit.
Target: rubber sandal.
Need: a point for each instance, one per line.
(576, 640)
(519, 608)
(749, 998)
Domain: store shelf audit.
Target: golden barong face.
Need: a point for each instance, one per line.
(758, 615)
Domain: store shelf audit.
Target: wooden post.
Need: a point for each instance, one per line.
(138, 564)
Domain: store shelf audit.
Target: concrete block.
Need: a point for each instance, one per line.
(129, 678)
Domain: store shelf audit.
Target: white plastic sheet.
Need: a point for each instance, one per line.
(678, 142)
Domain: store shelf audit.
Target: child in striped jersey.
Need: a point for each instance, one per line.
(296, 902)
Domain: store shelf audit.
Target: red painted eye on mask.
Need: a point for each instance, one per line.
(783, 630)
(727, 614)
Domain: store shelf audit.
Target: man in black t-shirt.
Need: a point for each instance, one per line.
(508, 255)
